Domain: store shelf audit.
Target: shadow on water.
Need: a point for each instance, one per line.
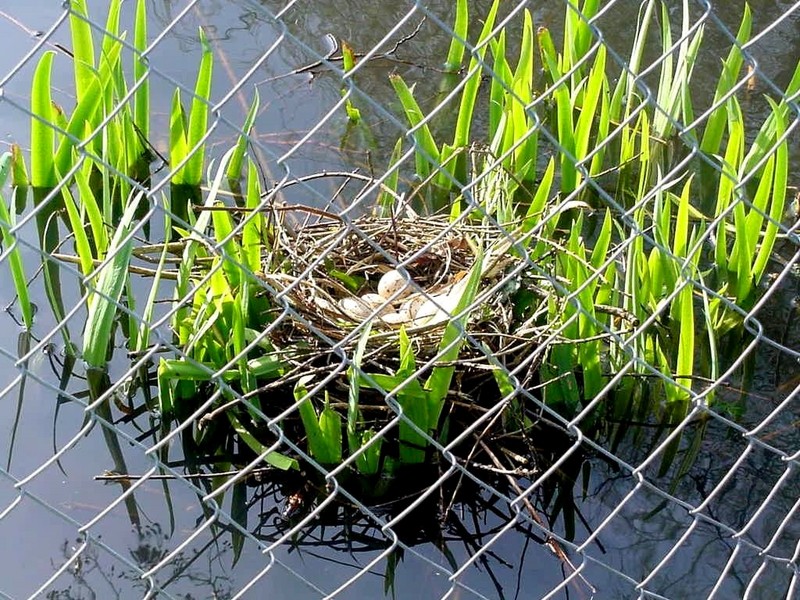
(341, 522)
(23, 348)
(99, 386)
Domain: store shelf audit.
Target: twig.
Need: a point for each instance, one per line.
(550, 541)
(172, 275)
(111, 476)
(333, 55)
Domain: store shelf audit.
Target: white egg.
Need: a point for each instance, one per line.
(355, 308)
(441, 307)
(376, 303)
(373, 300)
(429, 312)
(393, 282)
(395, 318)
(411, 306)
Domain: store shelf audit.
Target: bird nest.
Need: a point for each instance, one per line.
(333, 276)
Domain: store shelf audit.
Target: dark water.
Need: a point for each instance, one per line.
(638, 531)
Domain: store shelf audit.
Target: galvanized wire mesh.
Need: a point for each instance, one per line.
(721, 524)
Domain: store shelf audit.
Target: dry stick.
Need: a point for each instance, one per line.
(131, 268)
(550, 541)
(468, 459)
(333, 55)
(303, 179)
(553, 544)
(111, 476)
(331, 202)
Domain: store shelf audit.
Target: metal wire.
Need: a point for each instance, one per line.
(703, 506)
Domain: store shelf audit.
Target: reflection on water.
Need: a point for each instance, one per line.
(343, 541)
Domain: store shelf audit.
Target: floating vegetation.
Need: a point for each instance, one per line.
(510, 270)
(383, 294)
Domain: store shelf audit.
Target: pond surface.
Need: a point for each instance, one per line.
(640, 524)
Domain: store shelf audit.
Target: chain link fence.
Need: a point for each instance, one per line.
(500, 302)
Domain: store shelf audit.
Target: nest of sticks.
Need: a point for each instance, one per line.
(333, 276)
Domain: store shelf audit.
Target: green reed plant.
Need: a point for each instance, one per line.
(225, 312)
(511, 128)
(11, 254)
(105, 290)
(429, 153)
(348, 64)
(386, 197)
(455, 53)
(43, 173)
(94, 197)
(237, 159)
(101, 84)
(580, 325)
(43, 179)
(746, 230)
(418, 406)
(187, 132)
(83, 46)
(217, 330)
(141, 97)
(465, 115)
(578, 35)
(19, 172)
(609, 127)
(82, 245)
(11, 248)
(677, 271)
(323, 430)
(661, 281)
(139, 329)
(714, 129)
(99, 87)
(565, 113)
(673, 93)
(93, 106)
(52, 154)
(361, 440)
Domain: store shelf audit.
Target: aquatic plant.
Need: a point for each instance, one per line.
(11, 248)
(645, 257)
(575, 265)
